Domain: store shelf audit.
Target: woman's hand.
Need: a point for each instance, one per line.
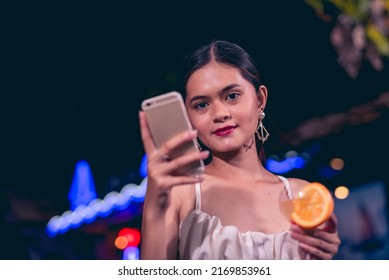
(319, 243)
(161, 168)
(160, 222)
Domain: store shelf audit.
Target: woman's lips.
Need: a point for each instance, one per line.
(224, 131)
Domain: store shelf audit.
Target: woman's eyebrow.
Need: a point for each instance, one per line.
(197, 97)
(228, 88)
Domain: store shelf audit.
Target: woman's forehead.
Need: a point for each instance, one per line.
(213, 75)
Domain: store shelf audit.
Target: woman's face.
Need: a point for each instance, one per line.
(223, 107)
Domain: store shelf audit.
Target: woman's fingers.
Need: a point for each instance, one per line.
(316, 237)
(162, 153)
(177, 141)
(319, 243)
(319, 239)
(314, 253)
(331, 224)
(162, 168)
(185, 160)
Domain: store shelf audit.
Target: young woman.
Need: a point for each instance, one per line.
(232, 210)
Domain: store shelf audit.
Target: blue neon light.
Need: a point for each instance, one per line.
(131, 253)
(82, 190)
(286, 165)
(97, 208)
(143, 167)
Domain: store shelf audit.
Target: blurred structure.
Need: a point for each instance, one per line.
(363, 223)
(13, 245)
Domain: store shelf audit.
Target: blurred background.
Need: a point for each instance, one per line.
(74, 75)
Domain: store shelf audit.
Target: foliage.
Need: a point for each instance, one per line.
(361, 30)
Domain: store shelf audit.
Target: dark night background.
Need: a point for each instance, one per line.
(75, 73)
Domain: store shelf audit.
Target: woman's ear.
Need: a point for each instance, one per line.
(262, 98)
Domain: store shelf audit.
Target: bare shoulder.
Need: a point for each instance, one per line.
(180, 192)
(297, 184)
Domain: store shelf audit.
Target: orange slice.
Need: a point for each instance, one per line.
(313, 206)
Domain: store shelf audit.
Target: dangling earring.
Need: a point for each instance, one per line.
(261, 132)
(197, 144)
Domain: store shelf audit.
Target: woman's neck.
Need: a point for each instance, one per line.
(244, 163)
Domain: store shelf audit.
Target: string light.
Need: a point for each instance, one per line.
(97, 208)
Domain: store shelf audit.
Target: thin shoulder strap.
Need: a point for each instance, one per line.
(198, 195)
(287, 186)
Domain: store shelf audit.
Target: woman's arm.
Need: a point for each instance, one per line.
(159, 230)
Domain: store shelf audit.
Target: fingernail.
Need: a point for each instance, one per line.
(303, 245)
(193, 133)
(294, 227)
(199, 178)
(205, 153)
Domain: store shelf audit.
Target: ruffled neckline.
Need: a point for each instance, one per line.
(221, 226)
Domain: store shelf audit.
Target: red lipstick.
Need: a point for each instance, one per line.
(224, 130)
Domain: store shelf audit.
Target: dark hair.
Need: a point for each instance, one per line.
(222, 52)
(226, 53)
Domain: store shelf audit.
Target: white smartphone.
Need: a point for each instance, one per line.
(166, 116)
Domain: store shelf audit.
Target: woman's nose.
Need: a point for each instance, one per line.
(220, 113)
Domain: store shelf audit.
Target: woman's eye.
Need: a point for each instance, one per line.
(232, 96)
(200, 105)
